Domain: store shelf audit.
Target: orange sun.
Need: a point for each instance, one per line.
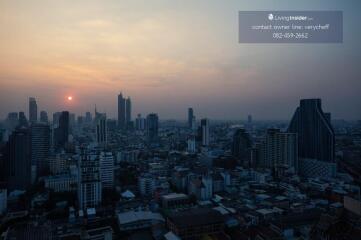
(70, 98)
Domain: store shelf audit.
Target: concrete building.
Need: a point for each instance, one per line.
(89, 182)
(107, 169)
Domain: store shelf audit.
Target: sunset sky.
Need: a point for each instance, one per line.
(168, 56)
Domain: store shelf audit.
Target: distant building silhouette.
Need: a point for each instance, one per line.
(128, 113)
(62, 132)
(316, 139)
(18, 159)
(33, 110)
(23, 122)
(101, 130)
(56, 117)
(242, 147)
(40, 144)
(88, 117)
(152, 127)
(12, 120)
(190, 117)
(44, 117)
(121, 111)
(204, 128)
(140, 123)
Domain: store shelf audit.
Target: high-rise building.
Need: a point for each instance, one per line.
(40, 144)
(72, 118)
(194, 124)
(23, 122)
(205, 131)
(249, 119)
(89, 184)
(18, 159)
(12, 120)
(190, 117)
(107, 169)
(33, 110)
(44, 117)
(128, 112)
(140, 123)
(152, 127)
(80, 120)
(278, 150)
(101, 130)
(191, 144)
(56, 117)
(242, 147)
(146, 184)
(88, 117)
(249, 123)
(281, 149)
(121, 111)
(316, 139)
(62, 132)
(111, 124)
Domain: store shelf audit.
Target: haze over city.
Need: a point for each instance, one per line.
(169, 56)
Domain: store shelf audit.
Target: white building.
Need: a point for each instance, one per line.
(89, 184)
(107, 169)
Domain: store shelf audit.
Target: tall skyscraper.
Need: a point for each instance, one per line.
(152, 127)
(18, 159)
(80, 120)
(249, 124)
(62, 132)
(40, 144)
(316, 139)
(12, 120)
(72, 118)
(44, 117)
(121, 111)
(205, 131)
(249, 119)
(89, 184)
(101, 130)
(33, 110)
(88, 117)
(281, 148)
(128, 113)
(107, 169)
(56, 117)
(191, 144)
(242, 147)
(190, 117)
(140, 123)
(23, 122)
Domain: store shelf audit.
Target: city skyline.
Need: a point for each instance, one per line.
(132, 114)
(91, 51)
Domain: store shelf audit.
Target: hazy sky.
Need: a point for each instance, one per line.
(169, 55)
